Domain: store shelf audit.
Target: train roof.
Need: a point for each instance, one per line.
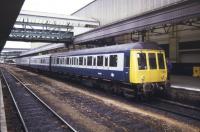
(41, 56)
(113, 48)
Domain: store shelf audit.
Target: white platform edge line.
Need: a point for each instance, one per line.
(2, 112)
(186, 88)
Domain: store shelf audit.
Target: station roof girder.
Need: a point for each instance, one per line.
(173, 14)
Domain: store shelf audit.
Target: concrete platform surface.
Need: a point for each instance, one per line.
(2, 112)
(185, 82)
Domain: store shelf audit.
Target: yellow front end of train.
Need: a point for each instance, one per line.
(147, 67)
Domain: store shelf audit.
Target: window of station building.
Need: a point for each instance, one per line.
(142, 61)
(113, 60)
(94, 61)
(99, 60)
(152, 61)
(80, 61)
(106, 60)
(161, 61)
(89, 60)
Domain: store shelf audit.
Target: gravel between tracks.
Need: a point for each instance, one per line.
(92, 112)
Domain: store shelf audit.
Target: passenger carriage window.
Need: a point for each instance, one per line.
(80, 61)
(89, 60)
(76, 60)
(57, 60)
(106, 60)
(63, 60)
(127, 61)
(152, 61)
(70, 61)
(99, 60)
(67, 61)
(94, 61)
(54, 60)
(161, 62)
(113, 60)
(142, 61)
(85, 61)
(60, 61)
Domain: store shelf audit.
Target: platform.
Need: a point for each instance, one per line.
(185, 89)
(2, 112)
(185, 82)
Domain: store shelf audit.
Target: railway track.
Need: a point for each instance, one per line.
(34, 113)
(176, 108)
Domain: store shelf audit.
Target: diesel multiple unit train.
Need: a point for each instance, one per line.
(138, 67)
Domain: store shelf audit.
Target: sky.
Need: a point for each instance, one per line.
(55, 6)
(66, 7)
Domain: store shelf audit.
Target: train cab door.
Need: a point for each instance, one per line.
(139, 66)
(153, 71)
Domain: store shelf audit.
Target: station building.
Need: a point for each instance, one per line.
(181, 40)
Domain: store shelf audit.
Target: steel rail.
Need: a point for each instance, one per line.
(156, 106)
(15, 103)
(180, 104)
(41, 101)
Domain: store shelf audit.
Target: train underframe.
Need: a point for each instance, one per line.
(142, 91)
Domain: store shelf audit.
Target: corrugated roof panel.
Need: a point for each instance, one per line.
(108, 11)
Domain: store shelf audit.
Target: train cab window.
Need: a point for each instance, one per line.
(142, 61)
(89, 60)
(161, 62)
(80, 61)
(94, 61)
(99, 60)
(152, 61)
(113, 60)
(106, 60)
